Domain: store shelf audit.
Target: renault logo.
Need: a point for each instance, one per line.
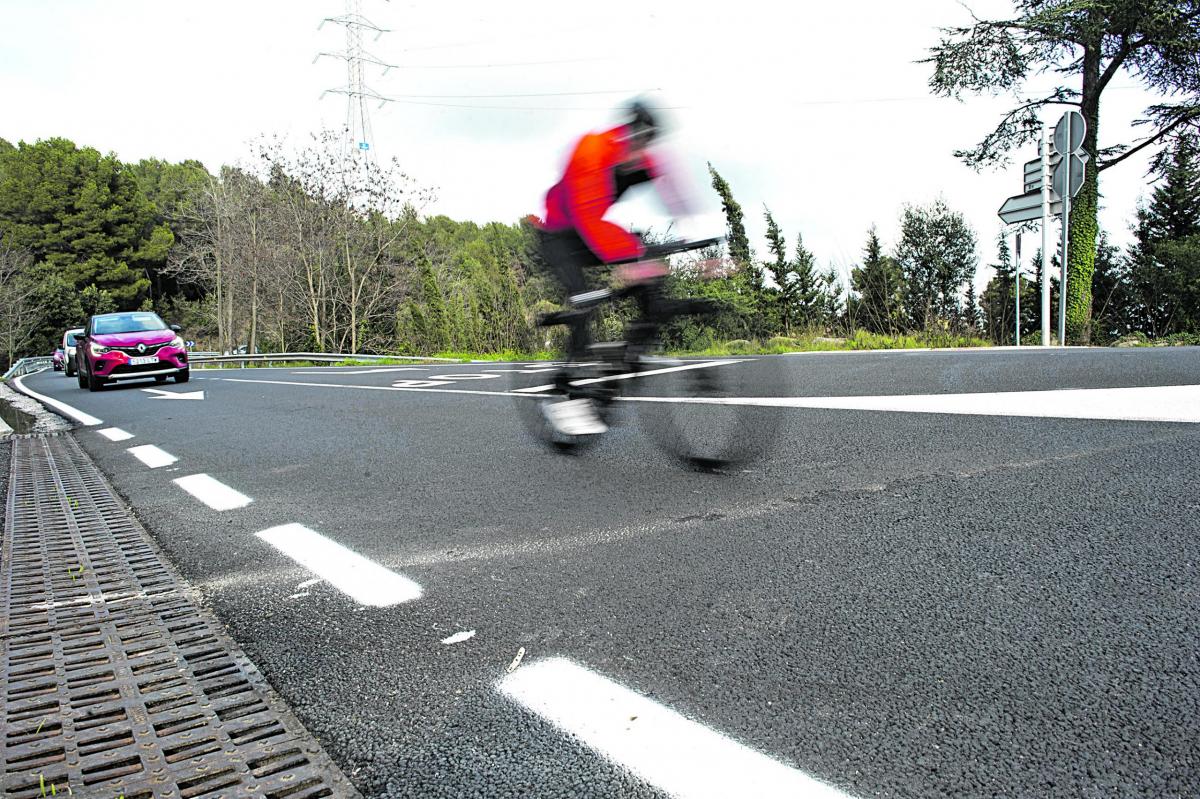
(141, 347)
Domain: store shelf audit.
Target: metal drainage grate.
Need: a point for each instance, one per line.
(115, 682)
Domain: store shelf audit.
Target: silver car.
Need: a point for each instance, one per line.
(68, 346)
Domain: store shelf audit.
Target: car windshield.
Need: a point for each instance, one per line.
(127, 323)
(70, 339)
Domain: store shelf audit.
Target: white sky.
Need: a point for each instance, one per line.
(816, 110)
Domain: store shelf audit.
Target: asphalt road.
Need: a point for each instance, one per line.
(892, 603)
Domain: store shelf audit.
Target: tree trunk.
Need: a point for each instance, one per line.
(1082, 236)
(253, 343)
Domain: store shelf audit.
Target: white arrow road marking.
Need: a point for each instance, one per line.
(675, 754)
(115, 434)
(1148, 404)
(212, 493)
(191, 395)
(152, 456)
(361, 579)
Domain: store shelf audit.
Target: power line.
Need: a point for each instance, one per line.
(518, 107)
(506, 64)
(511, 96)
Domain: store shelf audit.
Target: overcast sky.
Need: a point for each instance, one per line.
(818, 111)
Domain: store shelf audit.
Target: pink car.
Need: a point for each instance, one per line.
(128, 346)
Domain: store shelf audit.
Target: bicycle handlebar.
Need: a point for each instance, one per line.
(673, 248)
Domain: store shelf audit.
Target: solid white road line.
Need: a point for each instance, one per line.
(212, 493)
(630, 375)
(673, 753)
(367, 371)
(518, 393)
(1145, 404)
(152, 456)
(115, 434)
(371, 388)
(85, 419)
(361, 579)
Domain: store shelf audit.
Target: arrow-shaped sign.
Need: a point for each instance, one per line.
(1026, 208)
(192, 395)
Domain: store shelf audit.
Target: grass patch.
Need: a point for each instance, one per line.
(260, 365)
(861, 340)
(381, 362)
(503, 355)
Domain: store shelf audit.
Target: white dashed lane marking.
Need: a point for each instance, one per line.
(115, 434)
(363, 580)
(212, 493)
(152, 456)
(671, 752)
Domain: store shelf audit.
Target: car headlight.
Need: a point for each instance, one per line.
(98, 350)
(176, 342)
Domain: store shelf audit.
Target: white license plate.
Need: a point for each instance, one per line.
(143, 361)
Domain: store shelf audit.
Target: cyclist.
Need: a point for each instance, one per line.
(575, 235)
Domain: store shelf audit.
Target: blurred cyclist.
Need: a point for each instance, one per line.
(602, 167)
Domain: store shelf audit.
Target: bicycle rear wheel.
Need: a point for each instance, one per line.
(539, 385)
(703, 414)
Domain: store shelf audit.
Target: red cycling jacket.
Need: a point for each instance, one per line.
(601, 168)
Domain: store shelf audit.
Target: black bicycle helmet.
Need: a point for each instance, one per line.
(641, 120)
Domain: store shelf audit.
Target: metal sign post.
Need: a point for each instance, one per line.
(1017, 337)
(1037, 201)
(1044, 146)
(1066, 226)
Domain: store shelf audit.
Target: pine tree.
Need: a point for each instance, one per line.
(1164, 261)
(998, 301)
(806, 290)
(833, 307)
(878, 283)
(1111, 295)
(436, 325)
(735, 229)
(970, 312)
(1035, 306)
(83, 214)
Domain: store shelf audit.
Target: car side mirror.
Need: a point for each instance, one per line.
(176, 328)
(80, 337)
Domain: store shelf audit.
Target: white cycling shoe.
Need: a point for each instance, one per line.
(575, 417)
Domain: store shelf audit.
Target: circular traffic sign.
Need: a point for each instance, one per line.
(1074, 121)
(1074, 173)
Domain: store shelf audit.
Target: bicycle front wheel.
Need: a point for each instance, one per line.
(537, 387)
(710, 414)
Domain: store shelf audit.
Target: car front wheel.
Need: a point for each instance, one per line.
(94, 383)
(183, 375)
(70, 368)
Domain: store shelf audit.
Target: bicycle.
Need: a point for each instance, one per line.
(695, 410)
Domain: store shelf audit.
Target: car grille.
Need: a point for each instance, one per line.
(128, 369)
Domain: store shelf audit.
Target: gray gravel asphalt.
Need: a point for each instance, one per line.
(898, 604)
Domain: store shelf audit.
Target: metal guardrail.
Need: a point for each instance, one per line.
(27, 365)
(316, 357)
